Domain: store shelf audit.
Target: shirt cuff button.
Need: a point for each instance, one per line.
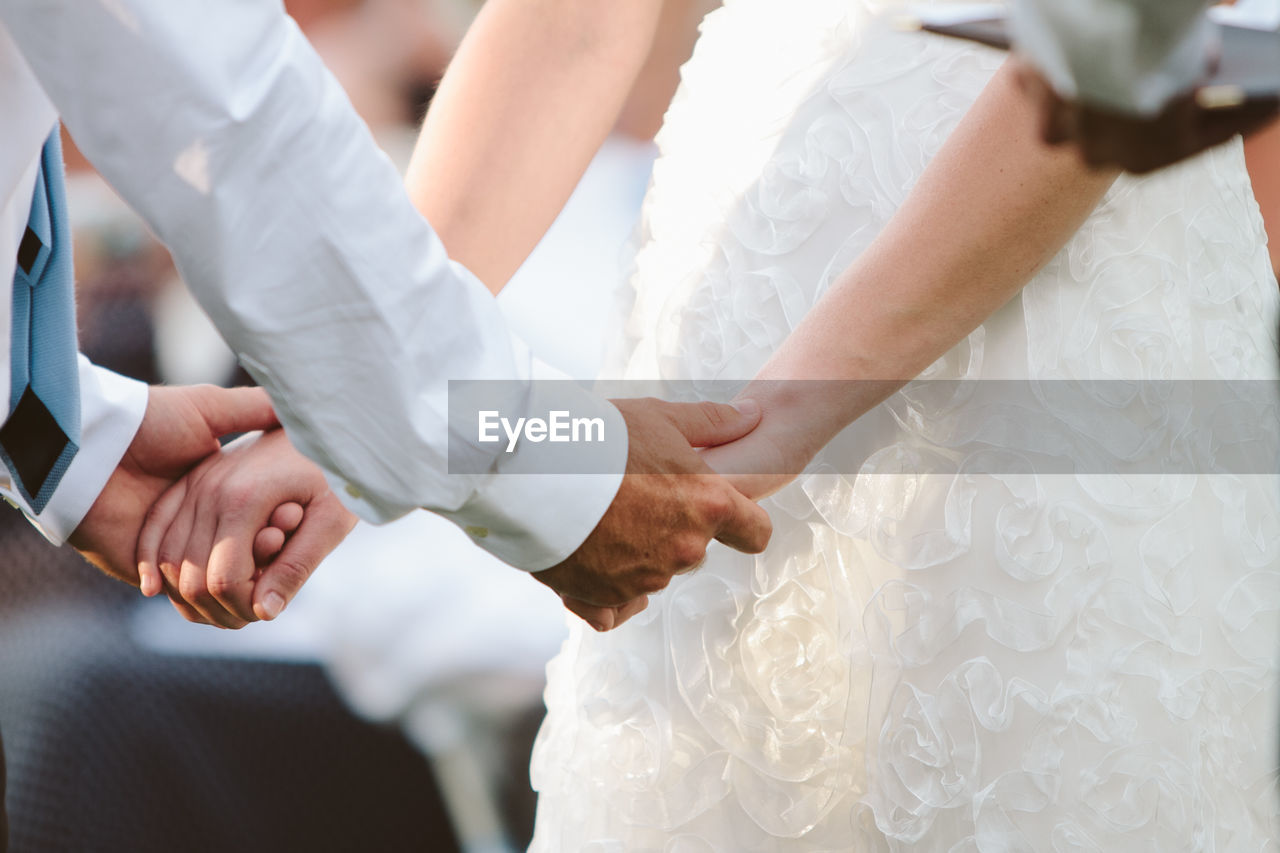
(354, 492)
(477, 532)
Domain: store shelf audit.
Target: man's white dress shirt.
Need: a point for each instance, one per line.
(1131, 55)
(219, 124)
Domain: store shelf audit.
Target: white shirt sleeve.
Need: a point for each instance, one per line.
(219, 124)
(111, 409)
(1129, 55)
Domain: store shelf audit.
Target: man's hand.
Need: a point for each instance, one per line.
(181, 428)
(670, 506)
(1192, 123)
(206, 536)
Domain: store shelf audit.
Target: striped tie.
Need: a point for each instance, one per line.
(42, 432)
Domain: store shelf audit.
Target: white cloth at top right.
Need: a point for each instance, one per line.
(1130, 55)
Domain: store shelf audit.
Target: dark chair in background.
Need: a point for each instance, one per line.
(115, 748)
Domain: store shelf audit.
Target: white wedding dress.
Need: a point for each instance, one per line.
(931, 661)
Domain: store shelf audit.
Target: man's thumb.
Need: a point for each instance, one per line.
(324, 526)
(228, 410)
(712, 424)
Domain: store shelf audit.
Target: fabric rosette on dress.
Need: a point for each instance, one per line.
(977, 635)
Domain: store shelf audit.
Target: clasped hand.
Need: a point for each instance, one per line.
(675, 500)
(231, 534)
(235, 539)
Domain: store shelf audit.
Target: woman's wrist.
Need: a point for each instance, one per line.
(800, 415)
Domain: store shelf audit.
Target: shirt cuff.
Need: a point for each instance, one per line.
(1123, 55)
(111, 410)
(534, 521)
(524, 512)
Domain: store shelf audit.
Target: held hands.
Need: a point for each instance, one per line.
(256, 491)
(181, 428)
(669, 507)
(799, 418)
(210, 541)
(234, 540)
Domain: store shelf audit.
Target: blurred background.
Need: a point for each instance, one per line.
(394, 705)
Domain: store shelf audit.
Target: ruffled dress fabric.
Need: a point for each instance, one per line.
(952, 660)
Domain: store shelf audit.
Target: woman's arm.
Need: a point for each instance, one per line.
(1262, 154)
(531, 95)
(989, 212)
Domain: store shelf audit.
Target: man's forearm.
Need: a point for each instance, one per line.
(219, 124)
(531, 95)
(1128, 55)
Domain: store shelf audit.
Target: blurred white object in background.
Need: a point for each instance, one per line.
(561, 301)
(189, 350)
(1255, 14)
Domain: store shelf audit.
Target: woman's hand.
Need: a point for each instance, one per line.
(206, 539)
(798, 418)
(760, 464)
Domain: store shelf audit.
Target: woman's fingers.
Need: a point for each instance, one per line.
(600, 618)
(632, 608)
(233, 541)
(287, 517)
(284, 521)
(154, 528)
(324, 525)
(267, 544)
(604, 619)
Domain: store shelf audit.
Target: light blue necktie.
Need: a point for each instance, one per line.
(42, 432)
